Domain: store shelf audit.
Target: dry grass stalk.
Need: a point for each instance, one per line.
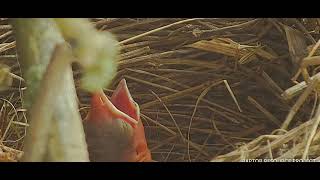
(227, 47)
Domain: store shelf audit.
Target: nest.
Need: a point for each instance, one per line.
(208, 89)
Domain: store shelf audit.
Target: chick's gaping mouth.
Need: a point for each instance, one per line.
(120, 106)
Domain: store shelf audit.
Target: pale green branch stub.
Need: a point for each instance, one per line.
(36, 39)
(67, 126)
(55, 132)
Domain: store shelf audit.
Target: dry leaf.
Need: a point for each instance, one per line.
(297, 45)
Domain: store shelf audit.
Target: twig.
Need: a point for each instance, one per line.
(264, 111)
(158, 29)
(312, 132)
(299, 102)
(204, 92)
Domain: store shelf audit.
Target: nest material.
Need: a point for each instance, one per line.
(208, 89)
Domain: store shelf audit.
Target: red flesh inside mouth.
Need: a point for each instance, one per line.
(121, 106)
(121, 99)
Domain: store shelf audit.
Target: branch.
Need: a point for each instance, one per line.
(55, 132)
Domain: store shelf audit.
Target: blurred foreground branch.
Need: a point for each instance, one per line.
(55, 132)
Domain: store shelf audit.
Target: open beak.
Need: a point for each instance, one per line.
(121, 98)
(121, 106)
